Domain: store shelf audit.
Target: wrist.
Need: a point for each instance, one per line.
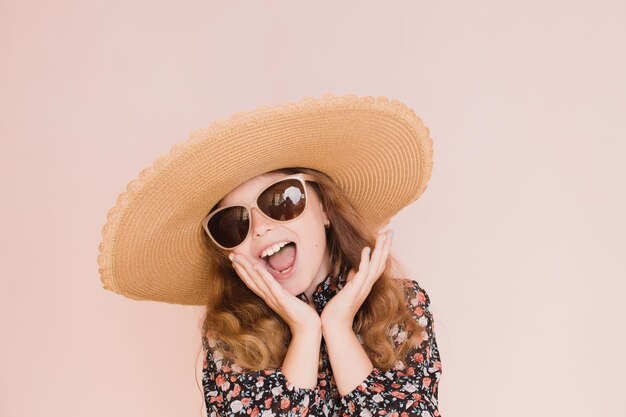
(330, 327)
(311, 330)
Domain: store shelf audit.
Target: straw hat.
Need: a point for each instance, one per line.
(377, 151)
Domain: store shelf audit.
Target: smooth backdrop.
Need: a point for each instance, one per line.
(519, 239)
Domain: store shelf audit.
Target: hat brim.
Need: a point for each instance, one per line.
(376, 150)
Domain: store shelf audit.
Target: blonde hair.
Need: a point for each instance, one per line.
(238, 320)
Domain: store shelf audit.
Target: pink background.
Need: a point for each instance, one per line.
(519, 239)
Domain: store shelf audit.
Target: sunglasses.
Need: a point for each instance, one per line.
(282, 201)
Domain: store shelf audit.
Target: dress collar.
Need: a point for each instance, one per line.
(326, 290)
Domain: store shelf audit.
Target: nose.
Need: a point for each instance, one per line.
(260, 223)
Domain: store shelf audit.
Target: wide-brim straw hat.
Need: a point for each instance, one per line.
(375, 149)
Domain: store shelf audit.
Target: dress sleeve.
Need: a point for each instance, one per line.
(228, 390)
(409, 390)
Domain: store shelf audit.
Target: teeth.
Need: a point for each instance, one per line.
(273, 249)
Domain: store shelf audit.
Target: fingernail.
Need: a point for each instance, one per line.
(231, 256)
(391, 234)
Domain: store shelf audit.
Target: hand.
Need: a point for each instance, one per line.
(299, 315)
(342, 308)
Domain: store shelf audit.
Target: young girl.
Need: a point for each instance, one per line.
(307, 313)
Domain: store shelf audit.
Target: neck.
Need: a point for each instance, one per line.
(322, 273)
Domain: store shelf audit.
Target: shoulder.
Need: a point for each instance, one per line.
(416, 295)
(418, 304)
(214, 355)
(210, 342)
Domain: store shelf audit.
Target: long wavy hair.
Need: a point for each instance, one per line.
(239, 321)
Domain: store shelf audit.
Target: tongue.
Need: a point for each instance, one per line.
(284, 258)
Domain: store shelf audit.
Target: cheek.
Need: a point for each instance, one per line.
(311, 235)
(318, 237)
(244, 251)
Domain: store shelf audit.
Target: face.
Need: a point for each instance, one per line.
(307, 231)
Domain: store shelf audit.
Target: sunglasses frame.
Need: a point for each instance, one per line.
(303, 178)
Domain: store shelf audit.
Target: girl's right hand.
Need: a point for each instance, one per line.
(299, 315)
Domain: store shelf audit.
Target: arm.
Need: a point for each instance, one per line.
(229, 391)
(301, 360)
(349, 361)
(411, 390)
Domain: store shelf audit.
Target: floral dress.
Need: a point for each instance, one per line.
(398, 392)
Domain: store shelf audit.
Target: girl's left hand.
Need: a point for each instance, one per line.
(341, 309)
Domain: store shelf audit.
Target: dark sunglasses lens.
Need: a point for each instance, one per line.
(229, 227)
(284, 200)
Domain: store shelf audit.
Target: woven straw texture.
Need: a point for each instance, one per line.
(377, 150)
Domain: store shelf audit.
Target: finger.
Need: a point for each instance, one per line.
(376, 257)
(244, 275)
(247, 279)
(274, 288)
(253, 270)
(363, 267)
(385, 254)
(253, 276)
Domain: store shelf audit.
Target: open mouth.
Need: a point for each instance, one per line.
(283, 261)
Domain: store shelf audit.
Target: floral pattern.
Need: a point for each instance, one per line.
(401, 391)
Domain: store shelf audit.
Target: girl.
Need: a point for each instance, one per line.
(307, 313)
